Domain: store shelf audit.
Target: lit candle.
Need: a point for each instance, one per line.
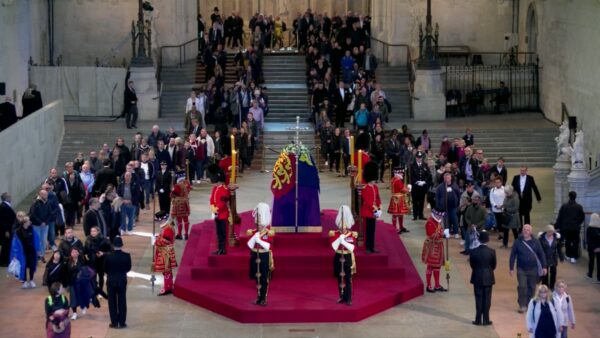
(233, 164)
(359, 176)
(232, 143)
(351, 150)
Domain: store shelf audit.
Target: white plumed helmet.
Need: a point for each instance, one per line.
(262, 214)
(344, 217)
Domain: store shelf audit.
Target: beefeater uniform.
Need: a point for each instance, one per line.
(398, 203)
(432, 254)
(180, 209)
(164, 256)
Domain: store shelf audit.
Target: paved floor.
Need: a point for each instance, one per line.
(437, 315)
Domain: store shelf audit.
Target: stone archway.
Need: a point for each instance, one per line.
(532, 29)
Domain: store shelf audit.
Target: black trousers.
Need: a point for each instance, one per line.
(505, 235)
(117, 304)
(483, 301)
(550, 278)
(344, 266)
(131, 116)
(571, 243)
(164, 201)
(265, 274)
(370, 233)
(334, 161)
(221, 225)
(418, 199)
(594, 257)
(524, 217)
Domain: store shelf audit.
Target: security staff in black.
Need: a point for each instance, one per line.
(116, 266)
(420, 178)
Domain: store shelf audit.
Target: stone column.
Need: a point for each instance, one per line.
(561, 183)
(430, 102)
(147, 92)
(579, 179)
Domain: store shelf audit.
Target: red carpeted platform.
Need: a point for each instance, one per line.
(303, 288)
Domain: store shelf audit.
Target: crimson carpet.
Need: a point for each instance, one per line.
(303, 288)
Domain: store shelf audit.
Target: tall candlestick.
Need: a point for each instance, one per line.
(232, 143)
(351, 150)
(359, 176)
(233, 165)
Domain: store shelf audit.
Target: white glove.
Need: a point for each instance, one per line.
(152, 239)
(377, 214)
(162, 191)
(420, 183)
(214, 216)
(342, 236)
(409, 187)
(446, 233)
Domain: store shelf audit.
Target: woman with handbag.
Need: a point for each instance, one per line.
(80, 286)
(56, 271)
(57, 313)
(95, 249)
(510, 215)
(23, 256)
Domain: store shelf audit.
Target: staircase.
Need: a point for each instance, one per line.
(276, 139)
(230, 71)
(534, 147)
(394, 82)
(177, 82)
(285, 79)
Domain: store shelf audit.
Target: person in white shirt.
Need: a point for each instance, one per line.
(564, 303)
(497, 196)
(199, 102)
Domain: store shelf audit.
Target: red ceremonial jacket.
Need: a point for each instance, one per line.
(164, 256)
(351, 237)
(371, 201)
(219, 201)
(267, 237)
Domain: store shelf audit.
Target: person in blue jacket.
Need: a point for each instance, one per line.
(25, 246)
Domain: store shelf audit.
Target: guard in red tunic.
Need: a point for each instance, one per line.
(398, 201)
(219, 206)
(370, 208)
(343, 242)
(261, 251)
(164, 256)
(180, 204)
(433, 249)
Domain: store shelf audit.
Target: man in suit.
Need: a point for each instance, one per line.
(163, 187)
(8, 114)
(116, 266)
(7, 220)
(104, 177)
(500, 169)
(524, 185)
(215, 36)
(341, 100)
(483, 264)
(420, 177)
(131, 110)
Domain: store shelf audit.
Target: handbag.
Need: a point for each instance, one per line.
(14, 268)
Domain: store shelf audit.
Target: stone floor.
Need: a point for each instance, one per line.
(432, 315)
(437, 315)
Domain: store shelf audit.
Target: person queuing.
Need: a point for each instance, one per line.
(552, 246)
(25, 246)
(483, 263)
(568, 223)
(593, 241)
(564, 303)
(95, 250)
(57, 312)
(543, 318)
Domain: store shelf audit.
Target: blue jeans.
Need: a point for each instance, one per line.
(42, 233)
(200, 169)
(148, 186)
(127, 217)
(451, 218)
(52, 234)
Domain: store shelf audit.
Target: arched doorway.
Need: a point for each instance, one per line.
(532, 29)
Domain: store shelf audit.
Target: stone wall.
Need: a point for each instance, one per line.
(84, 91)
(108, 27)
(479, 24)
(567, 44)
(22, 174)
(23, 33)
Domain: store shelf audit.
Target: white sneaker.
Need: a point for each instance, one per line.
(122, 233)
(326, 163)
(457, 236)
(74, 316)
(83, 311)
(462, 242)
(25, 285)
(573, 261)
(32, 284)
